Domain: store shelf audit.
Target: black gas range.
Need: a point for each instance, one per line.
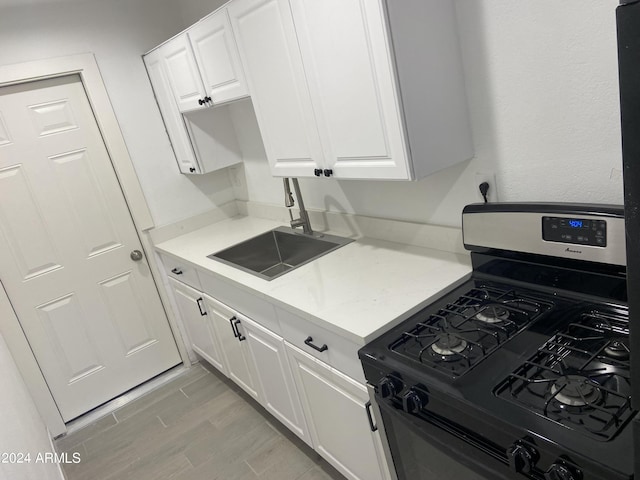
(523, 371)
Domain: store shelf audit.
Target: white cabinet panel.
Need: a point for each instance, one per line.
(183, 73)
(171, 116)
(199, 327)
(347, 61)
(229, 329)
(269, 52)
(336, 412)
(278, 392)
(217, 57)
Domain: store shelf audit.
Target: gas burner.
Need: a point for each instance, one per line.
(575, 391)
(580, 377)
(461, 333)
(493, 314)
(448, 345)
(618, 349)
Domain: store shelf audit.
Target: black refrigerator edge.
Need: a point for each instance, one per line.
(628, 26)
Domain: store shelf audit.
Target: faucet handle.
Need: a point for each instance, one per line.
(288, 196)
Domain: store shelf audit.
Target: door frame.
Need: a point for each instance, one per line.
(86, 67)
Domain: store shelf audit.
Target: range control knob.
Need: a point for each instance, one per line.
(562, 471)
(412, 402)
(522, 457)
(388, 387)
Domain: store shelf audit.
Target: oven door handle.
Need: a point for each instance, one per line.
(372, 425)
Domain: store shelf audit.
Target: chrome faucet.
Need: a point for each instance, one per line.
(303, 221)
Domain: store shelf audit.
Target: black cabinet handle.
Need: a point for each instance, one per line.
(192, 169)
(317, 172)
(207, 99)
(200, 307)
(201, 101)
(176, 271)
(315, 347)
(372, 426)
(328, 172)
(240, 336)
(233, 326)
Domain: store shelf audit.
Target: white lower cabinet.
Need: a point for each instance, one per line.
(191, 306)
(327, 409)
(277, 388)
(335, 407)
(227, 326)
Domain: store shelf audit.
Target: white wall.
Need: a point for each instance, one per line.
(541, 78)
(23, 431)
(118, 32)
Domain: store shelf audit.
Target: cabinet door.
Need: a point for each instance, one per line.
(229, 329)
(217, 57)
(336, 413)
(183, 73)
(348, 63)
(170, 113)
(279, 395)
(269, 52)
(197, 322)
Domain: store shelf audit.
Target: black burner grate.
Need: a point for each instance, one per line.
(458, 336)
(579, 378)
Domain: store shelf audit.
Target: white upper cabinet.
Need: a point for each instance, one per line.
(267, 43)
(173, 120)
(348, 67)
(183, 73)
(379, 84)
(202, 133)
(203, 66)
(217, 58)
(357, 89)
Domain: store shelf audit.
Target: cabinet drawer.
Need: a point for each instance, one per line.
(340, 353)
(249, 304)
(179, 270)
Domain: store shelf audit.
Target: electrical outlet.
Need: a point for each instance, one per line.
(490, 178)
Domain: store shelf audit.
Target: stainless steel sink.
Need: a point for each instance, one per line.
(278, 251)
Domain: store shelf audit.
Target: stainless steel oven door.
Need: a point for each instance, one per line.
(423, 451)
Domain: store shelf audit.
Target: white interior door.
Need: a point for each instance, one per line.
(91, 314)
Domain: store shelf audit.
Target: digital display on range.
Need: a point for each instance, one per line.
(579, 231)
(578, 223)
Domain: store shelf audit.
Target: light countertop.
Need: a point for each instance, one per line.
(358, 291)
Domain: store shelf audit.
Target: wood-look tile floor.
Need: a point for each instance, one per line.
(198, 426)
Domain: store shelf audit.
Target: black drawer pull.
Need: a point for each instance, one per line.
(241, 337)
(236, 331)
(315, 347)
(176, 271)
(203, 312)
(233, 326)
(372, 426)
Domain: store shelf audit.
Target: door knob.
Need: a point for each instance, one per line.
(136, 255)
